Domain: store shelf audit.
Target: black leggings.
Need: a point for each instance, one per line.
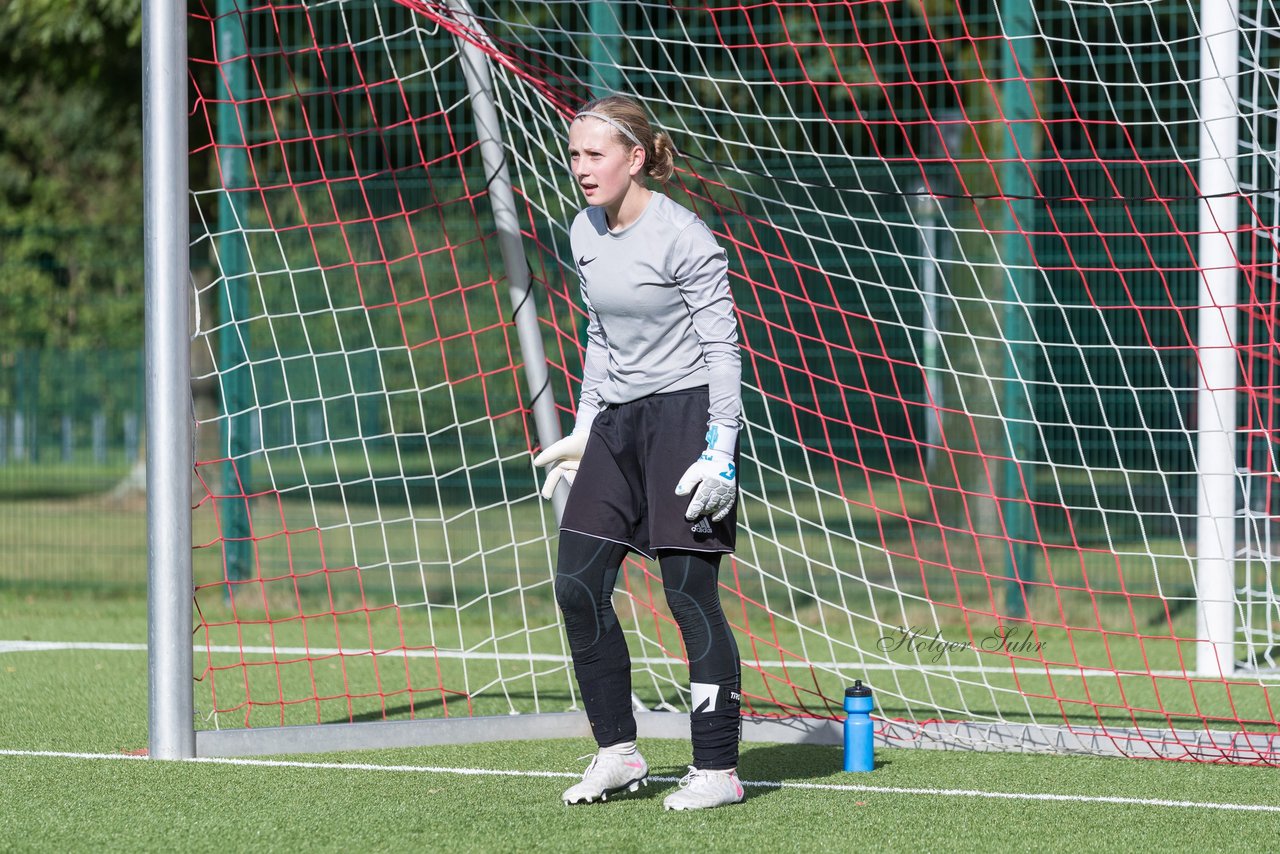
(586, 572)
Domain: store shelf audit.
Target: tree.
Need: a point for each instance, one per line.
(70, 173)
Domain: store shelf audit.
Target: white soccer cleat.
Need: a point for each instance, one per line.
(608, 774)
(702, 790)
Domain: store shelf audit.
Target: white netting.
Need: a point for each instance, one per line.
(963, 249)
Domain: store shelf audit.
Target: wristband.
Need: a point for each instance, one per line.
(722, 438)
(587, 413)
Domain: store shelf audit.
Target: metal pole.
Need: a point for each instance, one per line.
(1017, 488)
(168, 379)
(236, 422)
(475, 65)
(927, 209)
(1216, 332)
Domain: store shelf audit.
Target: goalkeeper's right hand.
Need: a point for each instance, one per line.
(563, 457)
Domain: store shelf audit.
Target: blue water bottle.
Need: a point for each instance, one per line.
(859, 731)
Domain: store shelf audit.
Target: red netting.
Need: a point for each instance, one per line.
(965, 266)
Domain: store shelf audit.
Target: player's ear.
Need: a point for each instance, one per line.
(637, 160)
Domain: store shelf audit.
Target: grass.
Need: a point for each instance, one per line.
(38, 481)
(95, 701)
(471, 580)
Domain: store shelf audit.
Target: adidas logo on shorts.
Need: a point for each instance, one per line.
(703, 526)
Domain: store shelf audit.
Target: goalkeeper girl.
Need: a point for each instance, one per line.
(654, 450)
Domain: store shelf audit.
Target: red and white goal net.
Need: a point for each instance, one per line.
(968, 248)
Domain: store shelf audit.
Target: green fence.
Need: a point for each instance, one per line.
(70, 422)
(71, 439)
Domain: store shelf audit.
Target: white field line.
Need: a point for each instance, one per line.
(750, 784)
(1027, 670)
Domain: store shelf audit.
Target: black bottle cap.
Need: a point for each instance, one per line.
(858, 690)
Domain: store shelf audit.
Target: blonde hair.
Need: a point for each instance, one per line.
(631, 126)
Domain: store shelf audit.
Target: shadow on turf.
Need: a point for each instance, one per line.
(783, 762)
(780, 762)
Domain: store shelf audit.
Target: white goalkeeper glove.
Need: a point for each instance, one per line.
(713, 477)
(563, 456)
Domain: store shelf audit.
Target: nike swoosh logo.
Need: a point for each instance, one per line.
(584, 260)
(633, 764)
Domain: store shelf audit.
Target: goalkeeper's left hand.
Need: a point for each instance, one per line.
(713, 478)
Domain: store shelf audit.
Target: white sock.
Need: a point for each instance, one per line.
(625, 748)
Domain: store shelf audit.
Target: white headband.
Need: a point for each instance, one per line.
(622, 129)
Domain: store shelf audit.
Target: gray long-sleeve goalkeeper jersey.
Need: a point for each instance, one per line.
(660, 316)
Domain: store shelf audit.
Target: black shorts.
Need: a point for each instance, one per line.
(625, 489)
